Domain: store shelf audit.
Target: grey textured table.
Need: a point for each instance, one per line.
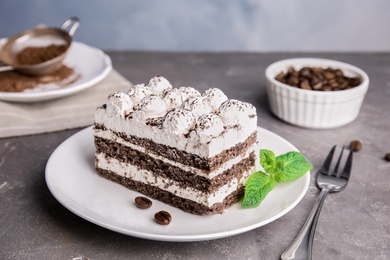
(354, 224)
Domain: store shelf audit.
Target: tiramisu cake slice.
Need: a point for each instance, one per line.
(190, 150)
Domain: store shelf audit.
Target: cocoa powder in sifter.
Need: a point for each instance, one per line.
(12, 81)
(36, 55)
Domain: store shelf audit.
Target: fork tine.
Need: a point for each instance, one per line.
(336, 168)
(328, 162)
(348, 166)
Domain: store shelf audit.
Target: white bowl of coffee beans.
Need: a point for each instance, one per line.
(315, 93)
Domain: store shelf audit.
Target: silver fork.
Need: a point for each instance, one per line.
(327, 181)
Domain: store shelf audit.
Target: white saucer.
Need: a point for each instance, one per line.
(72, 179)
(92, 64)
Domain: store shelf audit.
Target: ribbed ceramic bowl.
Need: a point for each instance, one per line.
(315, 109)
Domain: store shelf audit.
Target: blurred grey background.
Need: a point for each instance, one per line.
(212, 25)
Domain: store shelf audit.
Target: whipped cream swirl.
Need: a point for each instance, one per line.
(179, 121)
(187, 92)
(158, 85)
(209, 125)
(197, 105)
(215, 96)
(173, 98)
(153, 106)
(234, 112)
(119, 103)
(138, 92)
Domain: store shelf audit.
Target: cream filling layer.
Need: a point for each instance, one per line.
(146, 177)
(109, 135)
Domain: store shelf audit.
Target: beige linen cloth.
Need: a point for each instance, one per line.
(77, 110)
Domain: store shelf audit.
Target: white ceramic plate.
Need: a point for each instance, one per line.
(92, 64)
(72, 179)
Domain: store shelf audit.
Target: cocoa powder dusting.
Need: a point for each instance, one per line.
(12, 81)
(36, 55)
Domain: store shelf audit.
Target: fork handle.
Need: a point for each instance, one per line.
(301, 247)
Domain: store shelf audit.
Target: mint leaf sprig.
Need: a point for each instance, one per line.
(282, 168)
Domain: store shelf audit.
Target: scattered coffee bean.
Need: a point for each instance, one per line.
(387, 157)
(163, 217)
(317, 78)
(143, 202)
(356, 145)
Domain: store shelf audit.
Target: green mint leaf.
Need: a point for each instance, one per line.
(267, 160)
(257, 187)
(290, 166)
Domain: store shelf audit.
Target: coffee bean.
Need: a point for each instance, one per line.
(356, 145)
(163, 217)
(317, 86)
(387, 157)
(338, 73)
(305, 85)
(332, 81)
(306, 72)
(329, 75)
(280, 77)
(316, 78)
(318, 70)
(143, 202)
(293, 81)
(354, 82)
(291, 70)
(343, 83)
